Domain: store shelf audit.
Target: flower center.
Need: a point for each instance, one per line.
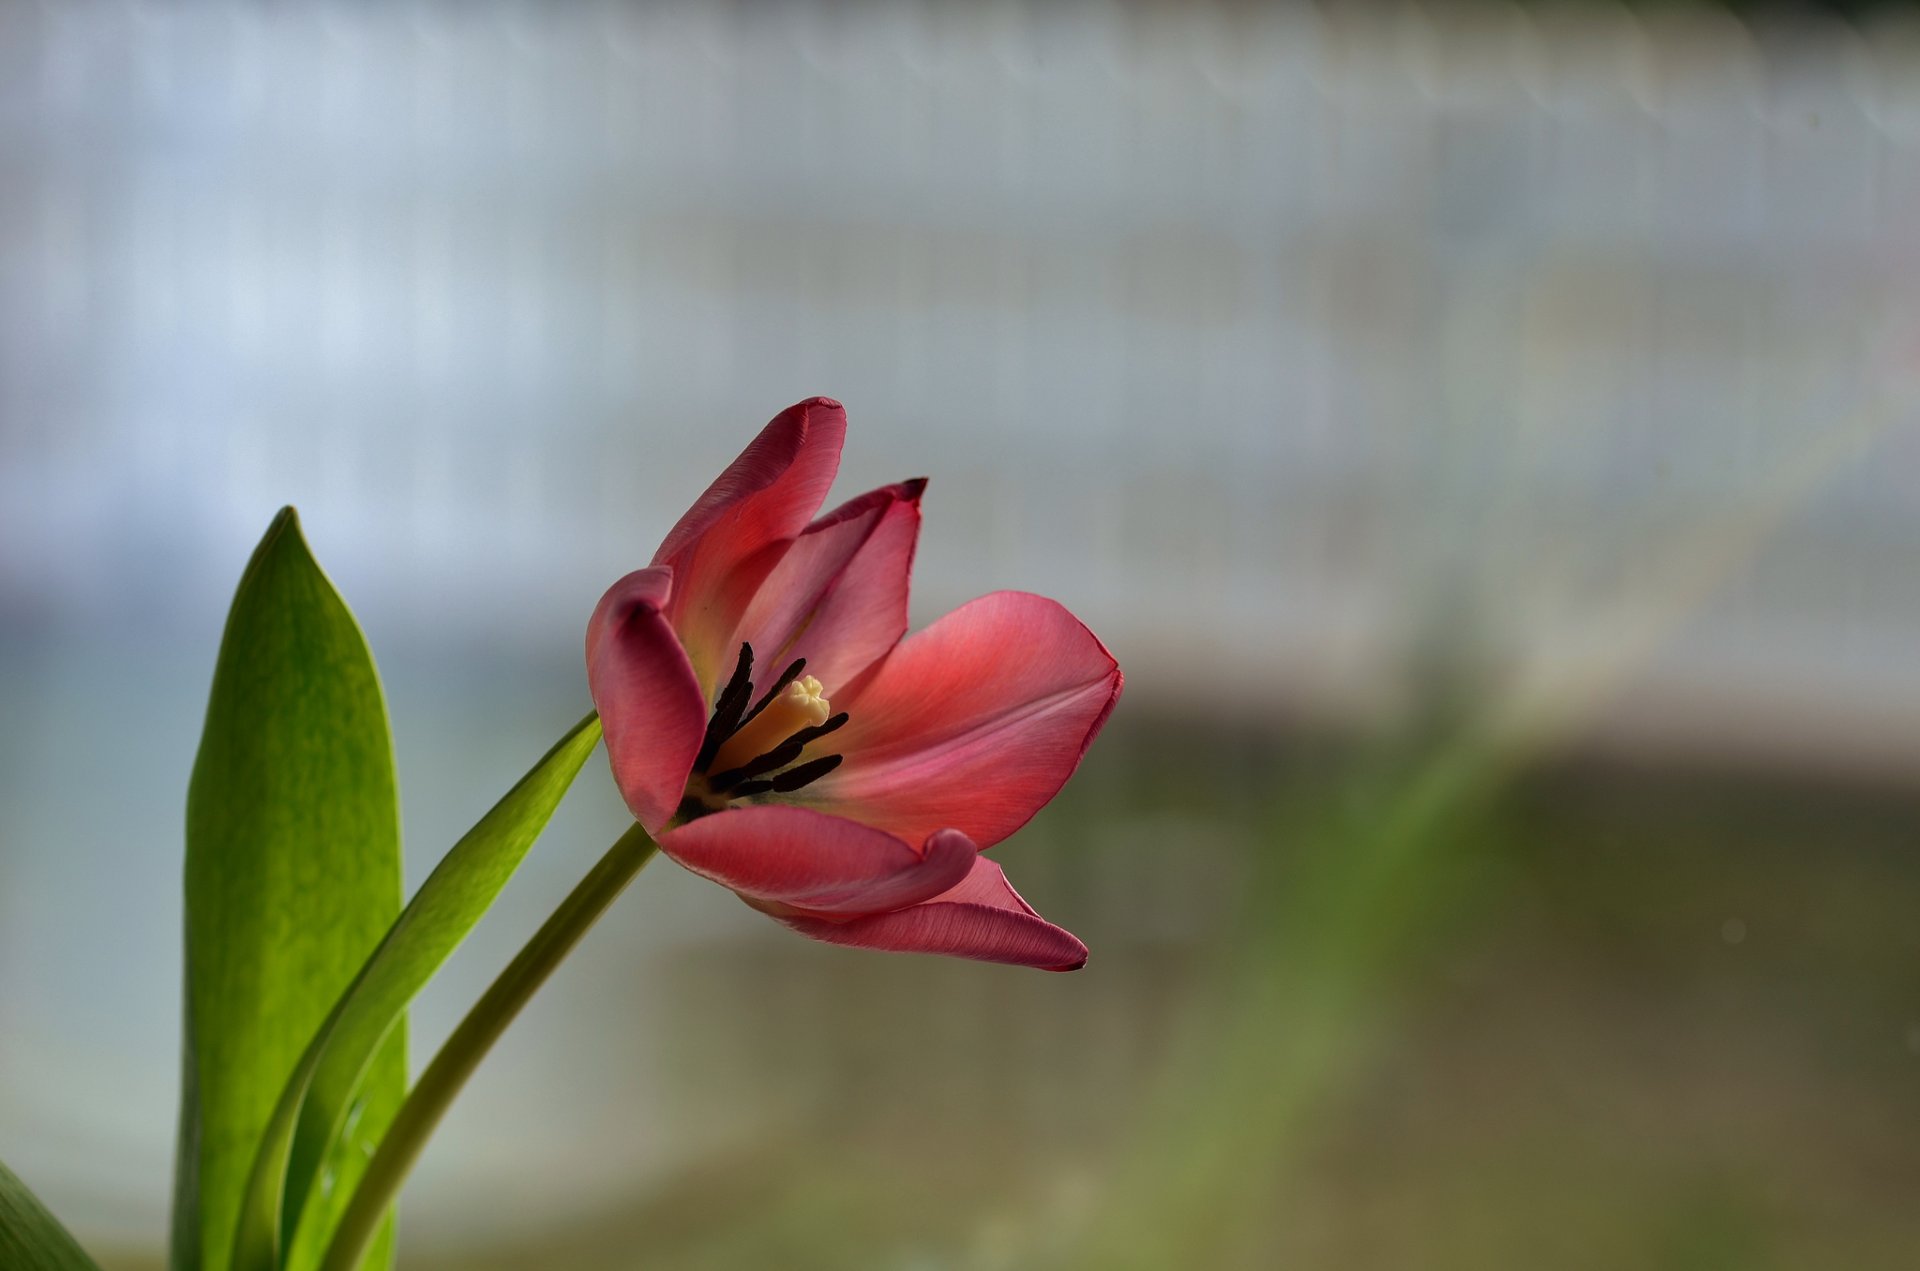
(801, 704)
(751, 752)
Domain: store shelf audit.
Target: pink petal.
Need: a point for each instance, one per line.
(981, 918)
(974, 723)
(986, 884)
(649, 702)
(839, 596)
(729, 540)
(797, 861)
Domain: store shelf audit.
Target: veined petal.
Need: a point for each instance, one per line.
(974, 723)
(735, 534)
(838, 598)
(649, 701)
(982, 918)
(795, 861)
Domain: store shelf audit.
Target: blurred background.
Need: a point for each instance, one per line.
(1485, 434)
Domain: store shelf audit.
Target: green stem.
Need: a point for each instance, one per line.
(427, 1102)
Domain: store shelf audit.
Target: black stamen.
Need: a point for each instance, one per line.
(746, 788)
(815, 733)
(807, 773)
(778, 757)
(787, 677)
(727, 708)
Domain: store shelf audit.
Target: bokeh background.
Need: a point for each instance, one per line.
(1485, 434)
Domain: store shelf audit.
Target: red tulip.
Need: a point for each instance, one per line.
(770, 727)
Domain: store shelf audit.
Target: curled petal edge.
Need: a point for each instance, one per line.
(789, 861)
(981, 917)
(649, 701)
(958, 929)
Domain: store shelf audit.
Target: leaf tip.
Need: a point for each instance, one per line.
(283, 534)
(286, 520)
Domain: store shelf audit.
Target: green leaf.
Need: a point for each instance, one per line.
(31, 1238)
(317, 1099)
(293, 876)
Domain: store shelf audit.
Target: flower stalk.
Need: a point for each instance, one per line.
(469, 1043)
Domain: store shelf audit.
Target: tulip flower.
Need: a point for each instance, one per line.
(772, 725)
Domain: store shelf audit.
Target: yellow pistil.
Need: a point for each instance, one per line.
(801, 704)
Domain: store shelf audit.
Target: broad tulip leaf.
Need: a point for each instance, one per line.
(31, 1238)
(318, 1098)
(293, 876)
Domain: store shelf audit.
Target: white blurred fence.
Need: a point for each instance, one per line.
(1279, 342)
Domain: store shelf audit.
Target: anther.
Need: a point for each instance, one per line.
(778, 757)
(806, 735)
(806, 774)
(727, 708)
(787, 677)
